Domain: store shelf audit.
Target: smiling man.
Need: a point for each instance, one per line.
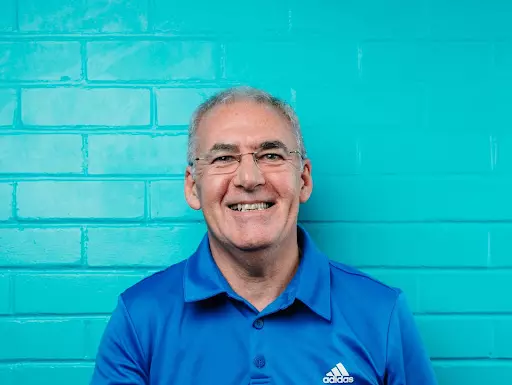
(257, 303)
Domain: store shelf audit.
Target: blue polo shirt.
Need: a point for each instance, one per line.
(332, 324)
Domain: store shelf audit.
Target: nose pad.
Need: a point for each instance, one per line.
(249, 174)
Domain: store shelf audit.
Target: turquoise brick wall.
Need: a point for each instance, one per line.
(406, 114)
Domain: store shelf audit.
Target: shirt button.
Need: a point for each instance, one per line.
(259, 361)
(258, 324)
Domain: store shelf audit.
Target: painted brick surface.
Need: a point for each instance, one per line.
(176, 208)
(137, 154)
(7, 106)
(5, 294)
(176, 105)
(47, 373)
(96, 199)
(44, 246)
(87, 16)
(6, 190)
(88, 107)
(40, 61)
(40, 154)
(405, 110)
(41, 339)
(141, 246)
(152, 60)
(73, 293)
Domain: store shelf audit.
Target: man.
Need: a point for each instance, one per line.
(257, 303)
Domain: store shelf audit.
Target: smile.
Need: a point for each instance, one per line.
(251, 206)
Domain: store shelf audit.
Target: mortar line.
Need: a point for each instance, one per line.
(17, 121)
(153, 109)
(14, 203)
(83, 58)
(85, 154)
(84, 238)
(12, 296)
(17, 15)
(147, 201)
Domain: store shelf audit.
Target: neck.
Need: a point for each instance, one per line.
(258, 276)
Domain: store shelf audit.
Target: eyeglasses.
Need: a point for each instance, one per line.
(267, 160)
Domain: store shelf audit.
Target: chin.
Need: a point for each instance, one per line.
(256, 242)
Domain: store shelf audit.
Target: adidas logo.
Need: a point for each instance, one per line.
(338, 375)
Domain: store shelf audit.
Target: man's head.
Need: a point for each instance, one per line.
(248, 170)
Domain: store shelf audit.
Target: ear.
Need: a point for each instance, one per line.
(191, 193)
(306, 182)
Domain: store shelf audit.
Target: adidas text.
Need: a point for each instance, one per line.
(338, 380)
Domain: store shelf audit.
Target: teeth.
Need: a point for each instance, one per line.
(249, 207)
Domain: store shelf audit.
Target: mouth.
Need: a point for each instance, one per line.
(260, 206)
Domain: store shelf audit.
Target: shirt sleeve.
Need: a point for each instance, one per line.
(120, 359)
(407, 359)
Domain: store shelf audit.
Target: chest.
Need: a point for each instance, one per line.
(278, 350)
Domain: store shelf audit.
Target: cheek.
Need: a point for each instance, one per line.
(214, 191)
(287, 186)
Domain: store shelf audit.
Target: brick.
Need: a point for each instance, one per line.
(472, 372)
(40, 154)
(401, 107)
(459, 198)
(5, 292)
(7, 107)
(91, 199)
(248, 61)
(135, 247)
(403, 245)
(470, 107)
(137, 154)
(86, 16)
(36, 247)
(70, 293)
(47, 373)
(94, 329)
(500, 246)
(404, 280)
(503, 61)
(433, 62)
(345, 150)
(465, 291)
(470, 20)
(8, 16)
(42, 339)
(152, 60)
(85, 107)
(176, 105)
(220, 18)
(416, 152)
(57, 61)
(177, 208)
(469, 337)
(5, 201)
(503, 338)
(360, 20)
(503, 156)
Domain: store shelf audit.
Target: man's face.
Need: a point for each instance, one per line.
(242, 127)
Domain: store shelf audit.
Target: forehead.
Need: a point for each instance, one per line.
(245, 123)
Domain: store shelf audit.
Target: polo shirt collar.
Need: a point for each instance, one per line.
(203, 279)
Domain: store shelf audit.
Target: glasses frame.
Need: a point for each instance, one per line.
(238, 157)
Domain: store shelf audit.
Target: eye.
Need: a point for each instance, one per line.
(224, 159)
(271, 156)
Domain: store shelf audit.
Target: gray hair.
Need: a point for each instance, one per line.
(239, 93)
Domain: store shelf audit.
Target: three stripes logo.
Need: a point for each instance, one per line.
(338, 375)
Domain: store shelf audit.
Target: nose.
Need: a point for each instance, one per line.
(248, 175)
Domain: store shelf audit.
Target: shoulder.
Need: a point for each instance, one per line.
(165, 285)
(348, 279)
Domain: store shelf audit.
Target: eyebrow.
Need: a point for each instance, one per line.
(267, 145)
